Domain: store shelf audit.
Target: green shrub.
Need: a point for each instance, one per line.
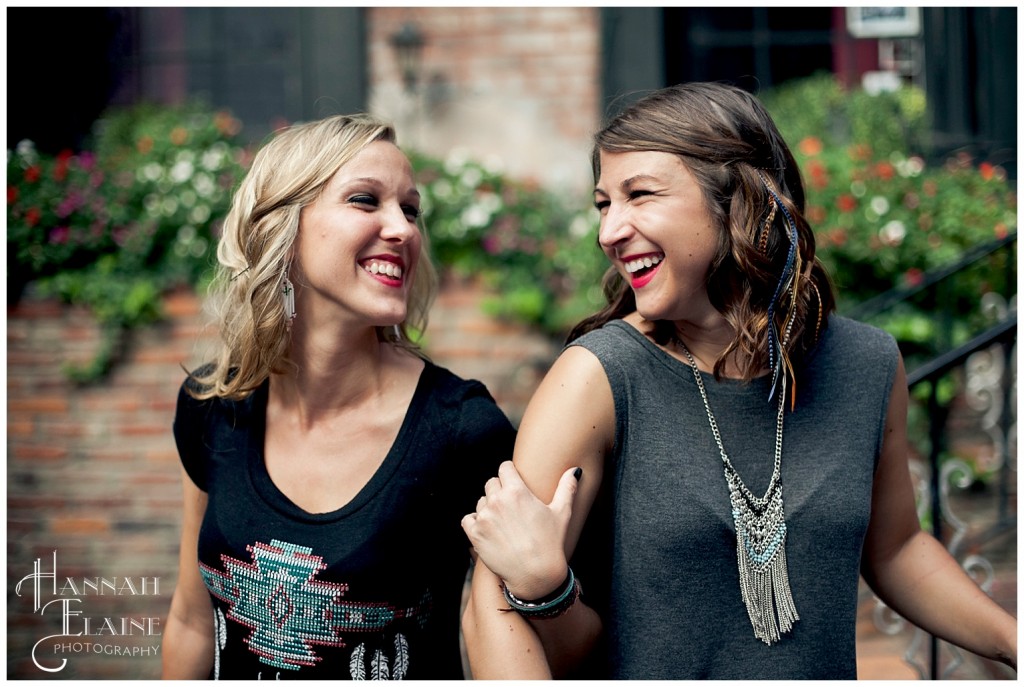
(883, 217)
(536, 252)
(113, 228)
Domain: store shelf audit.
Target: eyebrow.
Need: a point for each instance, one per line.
(627, 183)
(412, 191)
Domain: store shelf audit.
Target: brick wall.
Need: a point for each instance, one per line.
(93, 474)
(515, 84)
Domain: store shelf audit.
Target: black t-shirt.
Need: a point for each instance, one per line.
(371, 590)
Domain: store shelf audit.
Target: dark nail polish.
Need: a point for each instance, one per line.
(577, 473)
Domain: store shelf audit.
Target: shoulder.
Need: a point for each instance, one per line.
(450, 389)
(847, 332)
(191, 408)
(855, 355)
(462, 416)
(856, 344)
(467, 402)
(193, 386)
(614, 342)
(606, 334)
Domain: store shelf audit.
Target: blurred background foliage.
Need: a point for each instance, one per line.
(114, 227)
(886, 216)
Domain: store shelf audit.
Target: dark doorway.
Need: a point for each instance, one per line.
(63, 67)
(753, 47)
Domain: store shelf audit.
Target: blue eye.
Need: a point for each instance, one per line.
(411, 213)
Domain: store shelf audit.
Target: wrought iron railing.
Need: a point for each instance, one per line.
(967, 392)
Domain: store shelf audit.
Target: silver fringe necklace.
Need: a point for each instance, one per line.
(760, 533)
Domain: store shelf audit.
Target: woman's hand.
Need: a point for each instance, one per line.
(519, 537)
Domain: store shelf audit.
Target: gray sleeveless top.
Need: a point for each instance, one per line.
(674, 609)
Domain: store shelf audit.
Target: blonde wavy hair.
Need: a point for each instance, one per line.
(255, 248)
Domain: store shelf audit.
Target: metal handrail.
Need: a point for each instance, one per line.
(938, 366)
(886, 300)
(1003, 332)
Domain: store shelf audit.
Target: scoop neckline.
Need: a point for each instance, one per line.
(269, 492)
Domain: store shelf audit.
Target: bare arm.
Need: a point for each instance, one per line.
(188, 636)
(527, 539)
(911, 571)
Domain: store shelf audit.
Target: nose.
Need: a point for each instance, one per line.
(396, 226)
(616, 226)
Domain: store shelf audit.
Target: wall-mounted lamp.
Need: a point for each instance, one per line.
(408, 43)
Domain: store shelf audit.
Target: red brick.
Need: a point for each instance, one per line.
(123, 401)
(155, 478)
(165, 404)
(24, 452)
(480, 326)
(181, 304)
(64, 429)
(109, 454)
(39, 404)
(35, 309)
(142, 430)
(21, 359)
(35, 503)
(79, 525)
(20, 428)
(162, 457)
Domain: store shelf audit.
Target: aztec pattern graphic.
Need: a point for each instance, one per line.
(288, 611)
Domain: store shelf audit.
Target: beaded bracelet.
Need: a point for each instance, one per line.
(558, 605)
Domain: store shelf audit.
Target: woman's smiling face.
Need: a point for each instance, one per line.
(359, 243)
(657, 231)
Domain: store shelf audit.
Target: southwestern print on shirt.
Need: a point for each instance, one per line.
(288, 611)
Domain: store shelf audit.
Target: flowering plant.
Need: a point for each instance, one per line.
(113, 227)
(535, 250)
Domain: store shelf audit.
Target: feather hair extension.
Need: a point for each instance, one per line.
(776, 346)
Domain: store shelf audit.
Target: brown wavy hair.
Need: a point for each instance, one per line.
(255, 248)
(729, 142)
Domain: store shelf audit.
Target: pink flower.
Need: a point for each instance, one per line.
(491, 244)
(913, 277)
(72, 202)
(59, 235)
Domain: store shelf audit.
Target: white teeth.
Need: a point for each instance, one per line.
(386, 268)
(640, 263)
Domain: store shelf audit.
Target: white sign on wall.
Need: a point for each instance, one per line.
(883, 22)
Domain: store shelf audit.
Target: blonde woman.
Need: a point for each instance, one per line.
(326, 462)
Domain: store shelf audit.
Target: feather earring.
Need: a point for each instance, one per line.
(288, 296)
